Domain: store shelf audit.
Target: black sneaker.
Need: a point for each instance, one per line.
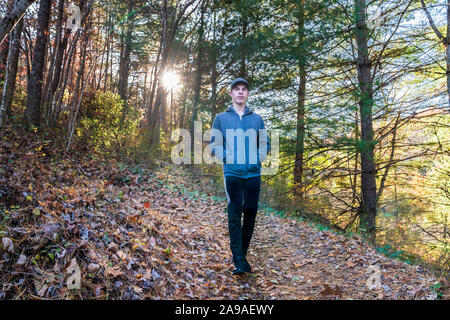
(246, 266)
(238, 272)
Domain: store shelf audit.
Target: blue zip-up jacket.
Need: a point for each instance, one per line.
(256, 147)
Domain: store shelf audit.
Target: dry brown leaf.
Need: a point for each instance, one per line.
(330, 291)
(152, 241)
(122, 255)
(351, 264)
(113, 271)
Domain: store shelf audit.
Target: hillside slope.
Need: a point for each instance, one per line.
(141, 234)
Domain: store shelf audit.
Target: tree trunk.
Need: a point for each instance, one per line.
(214, 73)
(299, 150)
(368, 183)
(4, 51)
(11, 19)
(198, 75)
(124, 65)
(35, 84)
(67, 66)
(108, 48)
(11, 71)
(244, 47)
(355, 168)
(214, 76)
(166, 42)
(80, 83)
(154, 83)
(5, 45)
(155, 118)
(447, 42)
(181, 121)
(27, 53)
(56, 65)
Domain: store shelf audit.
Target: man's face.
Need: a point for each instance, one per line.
(239, 94)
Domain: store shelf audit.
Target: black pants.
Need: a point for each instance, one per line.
(242, 196)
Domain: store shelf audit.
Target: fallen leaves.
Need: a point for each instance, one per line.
(22, 260)
(113, 271)
(93, 267)
(134, 219)
(8, 244)
(122, 255)
(330, 291)
(74, 272)
(154, 239)
(304, 262)
(40, 288)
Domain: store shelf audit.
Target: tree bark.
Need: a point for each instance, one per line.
(80, 83)
(154, 83)
(11, 71)
(55, 72)
(244, 47)
(168, 33)
(11, 19)
(367, 210)
(4, 51)
(5, 45)
(108, 47)
(214, 76)
(299, 150)
(124, 66)
(198, 75)
(214, 73)
(447, 45)
(33, 111)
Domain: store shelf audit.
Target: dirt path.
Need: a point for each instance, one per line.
(139, 234)
(290, 259)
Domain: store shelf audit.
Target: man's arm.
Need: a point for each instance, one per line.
(216, 141)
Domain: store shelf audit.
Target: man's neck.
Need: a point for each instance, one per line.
(239, 108)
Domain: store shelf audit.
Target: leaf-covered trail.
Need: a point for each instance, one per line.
(136, 233)
(290, 259)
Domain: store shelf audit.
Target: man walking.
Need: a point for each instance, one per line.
(240, 141)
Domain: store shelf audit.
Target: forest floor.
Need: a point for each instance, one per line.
(136, 233)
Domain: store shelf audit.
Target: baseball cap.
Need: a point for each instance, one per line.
(239, 80)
